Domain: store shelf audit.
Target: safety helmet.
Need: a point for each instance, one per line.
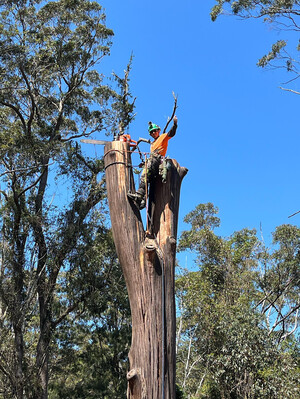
(152, 127)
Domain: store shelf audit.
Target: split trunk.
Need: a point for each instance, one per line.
(147, 258)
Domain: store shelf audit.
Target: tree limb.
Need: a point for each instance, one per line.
(33, 105)
(292, 91)
(26, 169)
(284, 317)
(173, 113)
(15, 109)
(294, 214)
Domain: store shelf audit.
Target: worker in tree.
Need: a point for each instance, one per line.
(158, 151)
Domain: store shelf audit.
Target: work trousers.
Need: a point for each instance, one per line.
(152, 171)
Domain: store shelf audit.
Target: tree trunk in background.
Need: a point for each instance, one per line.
(148, 262)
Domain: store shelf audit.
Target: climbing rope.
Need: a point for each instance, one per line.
(146, 193)
(125, 163)
(127, 151)
(118, 162)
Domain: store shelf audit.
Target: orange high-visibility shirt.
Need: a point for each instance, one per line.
(160, 145)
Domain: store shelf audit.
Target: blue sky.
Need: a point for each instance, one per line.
(238, 133)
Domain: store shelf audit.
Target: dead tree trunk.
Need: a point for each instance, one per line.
(148, 263)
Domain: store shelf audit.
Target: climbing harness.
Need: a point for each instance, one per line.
(146, 193)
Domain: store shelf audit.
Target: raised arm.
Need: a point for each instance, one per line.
(172, 131)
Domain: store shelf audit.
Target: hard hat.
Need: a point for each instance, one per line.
(152, 127)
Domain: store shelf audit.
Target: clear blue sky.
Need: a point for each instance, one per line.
(238, 133)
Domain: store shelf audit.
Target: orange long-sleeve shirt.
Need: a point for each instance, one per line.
(160, 145)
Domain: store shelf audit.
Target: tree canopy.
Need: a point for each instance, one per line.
(238, 313)
(64, 311)
(284, 15)
(52, 93)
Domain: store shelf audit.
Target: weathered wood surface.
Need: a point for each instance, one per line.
(147, 263)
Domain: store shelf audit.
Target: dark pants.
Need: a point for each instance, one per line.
(152, 170)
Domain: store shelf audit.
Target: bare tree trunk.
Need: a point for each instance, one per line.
(42, 353)
(148, 263)
(19, 347)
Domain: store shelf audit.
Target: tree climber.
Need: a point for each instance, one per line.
(158, 151)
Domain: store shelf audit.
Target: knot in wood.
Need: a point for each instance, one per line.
(149, 245)
(172, 241)
(132, 374)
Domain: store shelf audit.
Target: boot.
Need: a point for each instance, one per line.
(137, 198)
(142, 204)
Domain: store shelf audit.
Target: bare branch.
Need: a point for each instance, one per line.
(292, 91)
(16, 110)
(33, 105)
(76, 136)
(283, 318)
(70, 309)
(173, 113)
(24, 169)
(31, 185)
(294, 328)
(294, 214)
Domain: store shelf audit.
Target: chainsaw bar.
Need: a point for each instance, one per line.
(91, 141)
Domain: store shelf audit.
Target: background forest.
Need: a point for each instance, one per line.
(64, 313)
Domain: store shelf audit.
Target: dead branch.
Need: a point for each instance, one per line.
(292, 91)
(173, 113)
(24, 169)
(294, 214)
(294, 328)
(283, 318)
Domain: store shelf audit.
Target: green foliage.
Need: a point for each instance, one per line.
(52, 204)
(179, 393)
(280, 282)
(227, 343)
(260, 7)
(276, 48)
(90, 355)
(282, 13)
(201, 238)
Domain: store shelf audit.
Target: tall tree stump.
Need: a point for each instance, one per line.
(148, 264)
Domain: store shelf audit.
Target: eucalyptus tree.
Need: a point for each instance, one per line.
(89, 357)
(279, 283)
(238, 312)
(281, 14)
(52, 93)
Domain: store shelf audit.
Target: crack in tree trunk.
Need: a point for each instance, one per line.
(146, 262)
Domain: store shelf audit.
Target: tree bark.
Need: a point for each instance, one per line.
(147, 259)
